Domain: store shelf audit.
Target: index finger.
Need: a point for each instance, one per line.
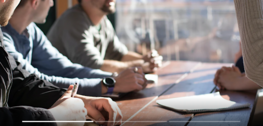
(217, 76)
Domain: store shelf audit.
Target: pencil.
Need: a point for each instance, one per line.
(74, 90)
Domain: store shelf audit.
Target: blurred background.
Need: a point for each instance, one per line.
(195, 30)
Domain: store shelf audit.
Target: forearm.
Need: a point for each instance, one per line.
(87, 87)
(118, 66)
(247, 84)
(131, 56)
(249, 16)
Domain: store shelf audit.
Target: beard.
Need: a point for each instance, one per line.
(108, 10)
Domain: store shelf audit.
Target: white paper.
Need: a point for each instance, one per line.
(201, 103)
(152, 78)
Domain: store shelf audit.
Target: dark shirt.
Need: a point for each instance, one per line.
(76, 37)
(240, 64)
(21, 90)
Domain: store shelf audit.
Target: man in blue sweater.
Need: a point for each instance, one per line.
(29, 46)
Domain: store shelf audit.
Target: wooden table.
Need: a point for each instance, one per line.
(136, 103)
(178, 79)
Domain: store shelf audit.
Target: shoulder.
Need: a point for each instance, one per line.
(8, 29)
(74, 14)
(32, 27)
(7, 38)
(74, 19)
(108, 23)
(8, 34)
(34, 31)
(108, 28)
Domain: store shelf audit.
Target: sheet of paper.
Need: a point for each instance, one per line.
(199, 103)
(152, 78)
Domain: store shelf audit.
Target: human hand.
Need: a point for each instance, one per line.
(152, 61)
(69, 109)
(103, 111)
(218, 72)
(131, 79)
(229, 78)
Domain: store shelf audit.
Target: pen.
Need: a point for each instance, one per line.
(74, 90)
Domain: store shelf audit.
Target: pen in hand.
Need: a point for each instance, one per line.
(74, 90)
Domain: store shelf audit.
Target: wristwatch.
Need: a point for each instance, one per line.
(109, 82)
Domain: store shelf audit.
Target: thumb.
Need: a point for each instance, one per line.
(70, 87)
(68, 92)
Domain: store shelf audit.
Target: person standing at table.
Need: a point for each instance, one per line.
(85, 35)
(249, 16)
(24, 97)
(250, 20)
(29, 46)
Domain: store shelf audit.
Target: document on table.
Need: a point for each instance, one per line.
(201, 103)
(151, 78)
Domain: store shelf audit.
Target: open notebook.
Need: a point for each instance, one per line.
(201, 103)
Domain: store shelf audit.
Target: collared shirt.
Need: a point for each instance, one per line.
(38, 56)
(76, 37)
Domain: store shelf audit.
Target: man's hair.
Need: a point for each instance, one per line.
(79, 1)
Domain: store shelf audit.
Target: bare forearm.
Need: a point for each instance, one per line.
(118, 66)
(247, 84)
(131, 56)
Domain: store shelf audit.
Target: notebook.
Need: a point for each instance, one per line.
(201, 103)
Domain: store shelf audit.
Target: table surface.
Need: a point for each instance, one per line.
(178, 79)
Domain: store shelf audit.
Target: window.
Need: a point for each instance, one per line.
(196, 30)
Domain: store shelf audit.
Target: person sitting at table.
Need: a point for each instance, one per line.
(234, 78)
(25, 97)
(85, 35)
(29, 46)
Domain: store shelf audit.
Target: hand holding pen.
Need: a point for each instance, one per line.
(68, 108)
(70, 93)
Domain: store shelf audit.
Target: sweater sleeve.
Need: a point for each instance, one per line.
(14, 116)
(48, 64)
(250, 20)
